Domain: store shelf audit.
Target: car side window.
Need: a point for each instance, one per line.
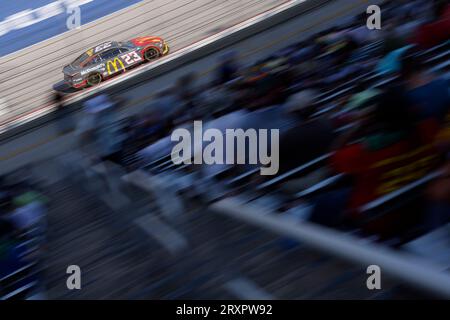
(96, 59)
(110, 54)
(124, 50)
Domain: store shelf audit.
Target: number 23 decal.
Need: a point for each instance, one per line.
(131, 57)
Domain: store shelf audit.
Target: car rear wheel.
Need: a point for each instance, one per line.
(151, 54)
(94, 79)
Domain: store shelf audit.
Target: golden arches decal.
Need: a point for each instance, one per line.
(114, 64)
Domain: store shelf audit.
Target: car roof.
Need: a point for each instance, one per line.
(102, 47)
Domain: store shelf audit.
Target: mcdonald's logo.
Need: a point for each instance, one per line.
(114, 64)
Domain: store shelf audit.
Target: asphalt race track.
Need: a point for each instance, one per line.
(29, 75)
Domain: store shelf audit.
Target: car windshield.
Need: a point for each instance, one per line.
(78, 61)
(128, 44)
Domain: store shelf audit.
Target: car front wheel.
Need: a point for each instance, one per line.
(151, 54)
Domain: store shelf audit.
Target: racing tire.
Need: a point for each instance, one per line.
(94, 79)
(151, 54)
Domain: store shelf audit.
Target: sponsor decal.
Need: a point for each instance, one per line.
(114, 63)
(166, 49)
(102, 46)
(97, 67)
(141, 41)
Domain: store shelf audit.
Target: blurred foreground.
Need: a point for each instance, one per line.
(364, 123)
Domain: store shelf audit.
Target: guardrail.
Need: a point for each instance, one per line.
(180, 58)
(405, 267)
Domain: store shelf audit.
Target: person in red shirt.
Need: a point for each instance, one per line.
(435, 32)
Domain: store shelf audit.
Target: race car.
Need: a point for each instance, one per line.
(112, 58)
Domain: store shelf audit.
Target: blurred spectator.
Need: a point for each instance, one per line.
(100, 131)
(62, 116)
(392, 151)
(165, 103)
(392, 40)
(443, 137)
(436, 31)
(391, 62)
(438, 193)
(428, 95)
(215, 100)
(308, 139)
(186, 93)
(364, 93)
(10, 254)
(228, 68)
(27, 217)
(25, 209)
(26, 196)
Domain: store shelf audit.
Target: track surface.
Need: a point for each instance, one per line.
(29, 75)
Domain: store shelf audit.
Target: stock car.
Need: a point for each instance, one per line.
(112, 58)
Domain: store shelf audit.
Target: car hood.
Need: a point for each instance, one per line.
(142, 41)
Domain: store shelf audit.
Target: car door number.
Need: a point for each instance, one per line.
(131, 57)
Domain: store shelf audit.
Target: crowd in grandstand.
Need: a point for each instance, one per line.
(390, 134)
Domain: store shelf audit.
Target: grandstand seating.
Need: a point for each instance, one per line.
(230, 180)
